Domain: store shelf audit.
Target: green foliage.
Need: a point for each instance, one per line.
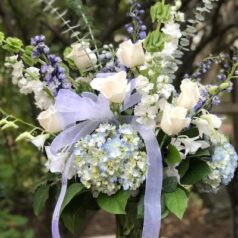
(173, 156)
(10, 226)
(12, 45)
(40, 198)
(73, 190)
(183, 167)
(27, 56)
(170, 184)
(2, 37)
(160, 12)
(198, 169)
(154, 42)
(177, 202)
(114, 204)
(70, 62)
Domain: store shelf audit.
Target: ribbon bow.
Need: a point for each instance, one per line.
(80, 116)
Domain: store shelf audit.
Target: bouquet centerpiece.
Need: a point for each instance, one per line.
(115, 128)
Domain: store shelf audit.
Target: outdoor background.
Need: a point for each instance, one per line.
(22, 166)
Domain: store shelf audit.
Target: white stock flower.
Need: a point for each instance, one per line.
(113, 87)
(143, 84)
(164, 88)
(82, 55)
(131, 55)
(174, 119)
(50, 120)
(189, 95)
(173, 30)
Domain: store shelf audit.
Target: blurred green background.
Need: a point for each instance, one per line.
(22, 166)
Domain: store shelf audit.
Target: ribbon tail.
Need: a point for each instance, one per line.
(56, 214)
(152, 200)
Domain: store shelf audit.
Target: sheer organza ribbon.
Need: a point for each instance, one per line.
(80, 116)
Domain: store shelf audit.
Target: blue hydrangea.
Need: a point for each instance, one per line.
(110, 159)
(223, 165)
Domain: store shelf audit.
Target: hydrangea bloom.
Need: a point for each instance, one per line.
(110, 159)
(223, 165)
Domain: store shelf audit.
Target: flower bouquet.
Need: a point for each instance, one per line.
(117, 133)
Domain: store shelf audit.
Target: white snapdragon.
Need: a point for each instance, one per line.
(56, 163)
(208, 125)
(39, 141)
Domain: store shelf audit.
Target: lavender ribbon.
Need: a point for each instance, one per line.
(91, 110)
(152, 200)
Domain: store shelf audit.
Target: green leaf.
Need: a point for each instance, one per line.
(114, 204)
(40, 198)
(27, 56)
(140, 208)
(160, 12)
(74, 219)
(170, 184)
(177, 202)
(2, 36)
(183, 167)
(173, 156)
(198, 169)
(13, 45)
(155, 41)
(191, 132)
(201, 153)
(73, 190)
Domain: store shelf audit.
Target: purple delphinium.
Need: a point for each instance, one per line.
(216, 100)
(54, 75)
(203, 68)
(137, 29)
(39, 46)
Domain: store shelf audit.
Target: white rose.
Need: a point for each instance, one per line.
(112, 86)
(50, 120)
(82, 56)
(189, 95)
(131, 55)
(174, 119)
